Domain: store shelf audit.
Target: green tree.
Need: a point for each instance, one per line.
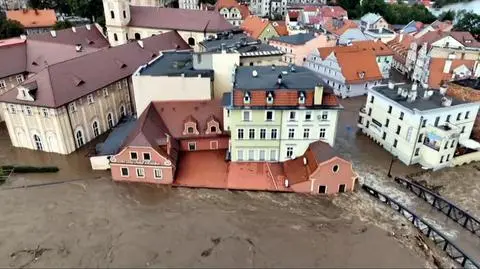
(447, 15)
(10, 28)
(59, 25)
(352, 7)
(469, 21)
(373, 6)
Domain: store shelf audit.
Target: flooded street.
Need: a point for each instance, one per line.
(94, 222)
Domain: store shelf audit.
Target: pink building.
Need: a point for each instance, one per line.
(150, 153)
(320, 170)
(297, 47)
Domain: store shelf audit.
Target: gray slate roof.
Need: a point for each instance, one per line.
(267, 78)
(298, 39)
(435, 101)
(174, 64)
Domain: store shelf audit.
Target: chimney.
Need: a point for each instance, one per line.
(74, 29)
(414, 87)
(443, 89)
(223, 47)
(391, 85)
(23, 37)
(88, 26)
(447, 66)
(254, 73)
(446, 101)
(140, 43)
(78, 47)
(400, 38)
(279, 80)
(53, 33)
(318, 97)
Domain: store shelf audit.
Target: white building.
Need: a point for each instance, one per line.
(417, 125)
(372, 21)
(188, 4)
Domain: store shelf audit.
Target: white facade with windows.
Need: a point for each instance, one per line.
(188, 4)
(417, 125)
(66, 128)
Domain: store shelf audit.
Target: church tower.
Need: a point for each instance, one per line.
(117, 17)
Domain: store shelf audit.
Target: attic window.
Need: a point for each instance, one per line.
(120, 64)
(190, 130)
(269, 98)
(77, 81)
(301, 98)
(361, 75)
(246, 98)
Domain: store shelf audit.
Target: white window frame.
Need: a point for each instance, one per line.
(155, 173)
(20, 78)
(45, 112)
(264, 132)
(240, 154)
(324, 115)
(147, 154)
(137, 170)
(273, 155)
(130, 154)
(274, 131)
(306, 133)
(250, 136)
(289, 152)
(121, 172)
(260, 155)
(90, 99)
(290, 115)
(308, 113)
(324, 131)
(238, 134)
(249, 115)
(292, 132)
(194, 145)
(273, 115)
(251, 155)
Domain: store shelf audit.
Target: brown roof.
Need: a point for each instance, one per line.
(176, 113)
(232, 3)
(465, 38)
(338, 27)
(87, 36)
(13, 57)
(57, 83)
(280, 27)
(436, 75)
(400, 48)
(33, 18)
(333, 11)
(254, 25)
(178, 19)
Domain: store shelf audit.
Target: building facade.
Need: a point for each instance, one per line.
(417, 125)
(273, 114)
(372, 21)
(233, 12)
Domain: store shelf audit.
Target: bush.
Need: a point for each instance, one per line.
(30, 169)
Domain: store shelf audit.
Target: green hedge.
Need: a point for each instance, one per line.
(30, 169)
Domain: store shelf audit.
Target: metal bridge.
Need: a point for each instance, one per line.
(448, 208)
(440, 240)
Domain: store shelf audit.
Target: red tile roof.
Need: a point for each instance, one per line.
(178, 19)
(358, 67)
(280, 27)
(377, 48)
(338, 30)
(333, 11)
(56, 83)
(254, 26)
(33, 18)
(232, 3)
(436, 75)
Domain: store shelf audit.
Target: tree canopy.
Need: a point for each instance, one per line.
(91, 9)
(468, 21)
(447, 15)
(10, 28)
(59, 25)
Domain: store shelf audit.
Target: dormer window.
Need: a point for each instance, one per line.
(269, 98)
(28, 111)
(301, 98)
(213, 126)
(361, 75)
(90, 99)
(246, 98)
(190, 130)
(213, 129)
(190, 126)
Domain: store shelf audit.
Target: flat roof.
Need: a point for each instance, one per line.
(174, 63)
(267, 78)
(420, 103)
(469, 82)
(298, 39)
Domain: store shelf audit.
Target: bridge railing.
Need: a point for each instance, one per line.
(433, 234)
(448, 208)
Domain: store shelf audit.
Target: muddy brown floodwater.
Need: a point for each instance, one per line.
(94, 222)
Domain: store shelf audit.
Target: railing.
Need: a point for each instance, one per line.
(454, 212)
(433, 234)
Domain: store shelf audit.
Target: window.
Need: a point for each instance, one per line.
(289, 152)
(110, 120)
(190, 130)
(146, 156)
(124, 14)
(263, 133)
(463, 130)
(417, 151)
(437, 119)
(251, 154)
(453, 144)
(133, 155)
(448, 118)
(261, 155)
(448, 158)
(424, 123)
(459, 115)
(115, 37)
(308, 115)
(3, 85)
(138, 36)
(384, 135)
(269, 115)
(192, 146)
(341, 188)
(369, 111)
(324, 115)
(273, 134)
(251, 133)
(79, 137)
(467, 114)
(387, 122)
(368, 124)
(45, 112)
(389, 109)
(420, 138)
(13, 110)
(38, 142)
(441, 159)
(322, 189)
(158, 173)
(124, 171)
(372, 98)
(291, 133)
(105, 92)
(213, 129)
(19, 78)
(273, 155)
(96, 131)
(292, 116)
(398, 129)
(140, 172)
(306, 133)
(270, 98)
(90, 99)
(246, 98)
(240, 133)
(191, 41)
(72, 107)
(395, 142)
(322, 133)
(335, 168)
(246, 115)
(112, 14)
(240, 155)
(28, 111)
(123, 113)
(401, 115)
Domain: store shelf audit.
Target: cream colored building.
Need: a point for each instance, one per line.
(125, 21)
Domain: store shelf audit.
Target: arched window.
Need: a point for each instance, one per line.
(124, 14)
(122, 111)
(191, 41)
(137, 36)
(190, 130)
(96, 130)
(115, 37)
(112, 14)
(38, 142)
(213, 129)
(110, 120)
(79, 137)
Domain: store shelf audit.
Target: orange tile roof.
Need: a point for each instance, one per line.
(232, 3)
(347, 24)
(254, 25)
(377, 48)
(436, 76)
(33, 18)
(280, 27)
(354, 64)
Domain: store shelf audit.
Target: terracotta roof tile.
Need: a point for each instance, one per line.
(254, 26)
(33, 18)
(436, 75)
(358, 67)
(280, 27)
(377, 48)
(338, 27)
(333, 11)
